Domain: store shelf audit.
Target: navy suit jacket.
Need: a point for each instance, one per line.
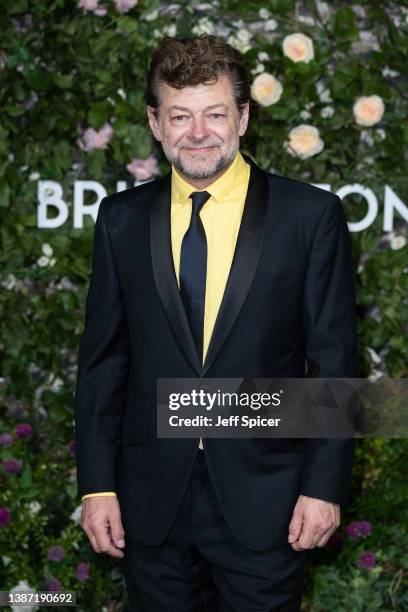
(289, 303)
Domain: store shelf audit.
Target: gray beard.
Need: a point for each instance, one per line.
(220, 164)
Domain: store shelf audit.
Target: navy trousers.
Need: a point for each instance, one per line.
(201, 567)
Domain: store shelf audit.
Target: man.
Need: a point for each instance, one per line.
(218, 269)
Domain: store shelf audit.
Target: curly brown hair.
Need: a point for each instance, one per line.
(194, 60)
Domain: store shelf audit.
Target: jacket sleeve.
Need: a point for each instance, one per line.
(329, 323)
(102, 370)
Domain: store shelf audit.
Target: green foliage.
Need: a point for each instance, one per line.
(64, 70)
(379, 495)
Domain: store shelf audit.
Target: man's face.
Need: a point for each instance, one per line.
(199, 127)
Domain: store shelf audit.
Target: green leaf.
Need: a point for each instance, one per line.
(64, 81)
(26, 476)
(128, 24)
(14, 111)
(344, 24)
(98, 114)
(38, 79)
(16, 6)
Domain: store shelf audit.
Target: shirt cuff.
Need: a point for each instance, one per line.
(108, 493)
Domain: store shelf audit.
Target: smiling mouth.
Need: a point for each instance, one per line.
(201, 149)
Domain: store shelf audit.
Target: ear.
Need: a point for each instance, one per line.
(154, 122)
(244, 118)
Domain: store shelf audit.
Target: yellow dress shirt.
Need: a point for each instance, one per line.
(221, 217)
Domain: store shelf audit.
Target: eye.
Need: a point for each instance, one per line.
(217, 115)
(178, 118)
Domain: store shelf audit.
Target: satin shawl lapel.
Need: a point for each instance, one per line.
(164, 273)
(243, 268)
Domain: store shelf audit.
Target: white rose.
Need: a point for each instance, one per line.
(375, 375)
(397, 242)
(375, 358)
(76, 515)
(265, 89)
(10, 282)
(56, 384)
(47, 249)
(368, 110)
(263, 13)
(43, 261)
(168, 30)
(244, 35)
(34, 507)
(304, 141)
(204, 25)
(258, 68)
(387, 72)
(270, 25)
(262, 56)
(240, 40)
(366, 137)
(305, 115)
(327, 111)
(323, 92)
(380, 133)
(298, 47)
(151, 16)
(325, 96)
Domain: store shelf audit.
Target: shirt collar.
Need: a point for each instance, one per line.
(227, 187)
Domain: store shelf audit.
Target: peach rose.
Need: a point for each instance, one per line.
(298, 47)
(368, 110)
(304, 141)
(265, 89)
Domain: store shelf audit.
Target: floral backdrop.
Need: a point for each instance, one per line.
(328, 106)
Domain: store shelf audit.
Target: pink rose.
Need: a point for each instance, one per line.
(123, 6)
(88, 5)
(92, 6)
(143, 169)
(97, 139)
(100, 11)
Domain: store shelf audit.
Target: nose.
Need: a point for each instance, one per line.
(198, 128)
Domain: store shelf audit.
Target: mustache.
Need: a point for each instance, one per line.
(200, 146)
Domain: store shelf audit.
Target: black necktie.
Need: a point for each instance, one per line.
(193, 270)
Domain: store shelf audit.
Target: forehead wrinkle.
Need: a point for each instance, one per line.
(184, 108)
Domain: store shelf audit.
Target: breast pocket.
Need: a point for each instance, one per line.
(135, 428)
